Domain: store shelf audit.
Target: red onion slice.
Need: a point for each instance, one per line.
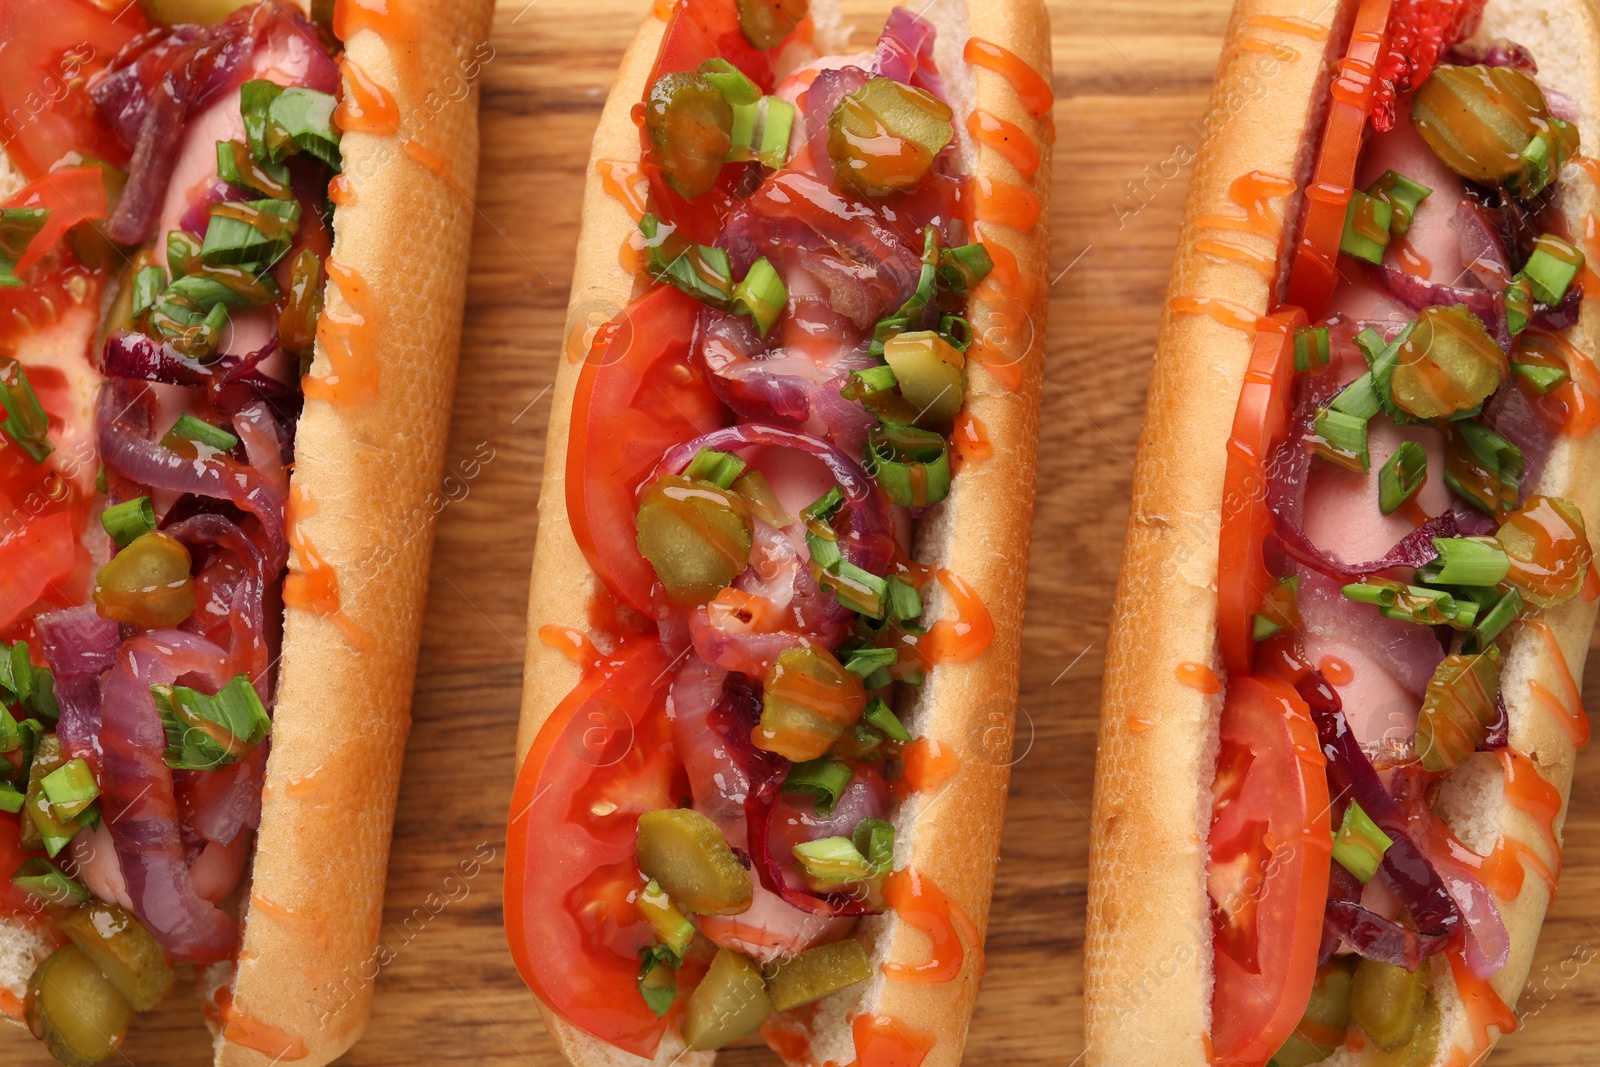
(905, 52)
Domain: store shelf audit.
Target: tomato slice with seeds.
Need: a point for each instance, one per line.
(48, 50)
(71, 194)
(1259, 424)
(640, 393)
(1271, 842)
(602, 759)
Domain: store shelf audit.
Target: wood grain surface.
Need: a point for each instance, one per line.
(1131, 84)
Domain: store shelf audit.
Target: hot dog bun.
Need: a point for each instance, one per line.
(1148, 969)
(303, 987)
(980, 531)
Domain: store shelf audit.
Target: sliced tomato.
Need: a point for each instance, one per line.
(640, 392)
(13, 900)
(602, 759)
(34, 558)
(1259, 424)
(72, 194)
(48, 50)
(1271, 843)
(696, 32)
(1315, 273)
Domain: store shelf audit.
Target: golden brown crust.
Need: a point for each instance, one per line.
(1148, 948)
(310, 949)
(952, 837)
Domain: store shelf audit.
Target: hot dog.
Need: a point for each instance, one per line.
(778, 583)
(226, 393)
(1341, 713)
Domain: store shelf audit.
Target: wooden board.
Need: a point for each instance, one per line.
(1131, 84)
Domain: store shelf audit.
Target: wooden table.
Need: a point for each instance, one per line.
(1131, 85)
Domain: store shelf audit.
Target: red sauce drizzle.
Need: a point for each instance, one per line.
(1254, 193)
(928, 765)
(245, 1029)
(1034, 92)
(1232, 315)
(1198, 676)
(341, 190)
(314, 586)
(1568, 706)
(884, 1041)
(963, 638)
(1336, 669)
(571, 643)
(1005, 204)
(366, 106)
(1289, 24)
(971, 443)
(917, 901)
(347, 337)
(1005, 137)
(1484, 1009)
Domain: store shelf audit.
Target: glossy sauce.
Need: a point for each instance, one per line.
(1199, 677)
(963, 638)
(341, 190)
(884, 1041)
(366, 106)
(314, 586)
(1005, 204)
(1262, 262)
(245, 1029)
(348, 338)
(1289, 24)
(1281, 52)
(1138, 725)
(571, 643)
(1412, 261)
(1484, 1009)
(1573, 407)
(928, 765)
(1529, 793)
(1254, 193)
(1567, 707)
(1034, 92)
(1007, 138)
(1229, 314)
(437, 162)
(624, 182)
(970, 441)
(1352, 84)
(918, 902)
(1337, 670)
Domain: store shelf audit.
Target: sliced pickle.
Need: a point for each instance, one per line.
(1549, 550)
(1478, 120)
(882, 138)
(178, 12)
(45, 827)
(690, 126)
(1321, 1030)
(697, 537)
(1448, 364)
(126, 953)
(729, 1003)
(928, 370)
(1419, 1050)
(1386, 1001)
(808, 702)
(818, 972)
(1458, 709)
(688, 856)
(765, 23)
(147, 583)
(75, 1010)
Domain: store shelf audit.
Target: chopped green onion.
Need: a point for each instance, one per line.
(252, 233)
(236, 166)
(1482, 466)
(825, 778)
(148, 285)
(1541, 377)
(1359, 844)
(307, 116)
(191, 332)
(1401, 476)
(10, 799)
(830, 863)
(702, 271)
(1402, 195)
(761, 295)
(761, 131)
(71, 788)
(1413, 603)
(189, 428)
(49, 884)
(874, 839)
(1383, 357)
(866, 661)
(227, 286)
(1542, 158)
(927, 290)
(859, 590)
(730, 81)
(1493, 622)
(25, 422)
(1341, 438)
(658, 982)
(18, 227)
(183, 253)
(903, 600)
(671, 925)
(1366, 227)
(1359, 399)
(1552, 268)
(720, 468)
(963, 267)
(876, 389)
(129, 519)
(880, 715)
(1263, 627)
(823, 509)
(22, 682)
(267, 139)
(205, 731)
(1310, 347)
(1468, 561)
(1519, 304)
(957, 331)
(10, 736)
(912, 466)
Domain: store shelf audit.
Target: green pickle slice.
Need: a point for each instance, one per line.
(882, 138)
(1448, 364)
(765, 23)
(1387, 1001)
(75, 1010)
(690, 126)
(688, 856)
(127, 954)
(818, 972)
(696, 535)
(729, 1003)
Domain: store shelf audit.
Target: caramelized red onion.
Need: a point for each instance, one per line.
(905, 52)
(77, 642)
(232, 382)
(1418, 293)
(138, 795)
